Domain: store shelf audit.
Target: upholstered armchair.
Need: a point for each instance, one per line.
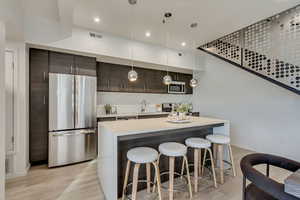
(262, 187)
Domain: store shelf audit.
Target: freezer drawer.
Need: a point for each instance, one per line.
(68, 147)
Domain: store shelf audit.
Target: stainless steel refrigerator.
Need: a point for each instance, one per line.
(72, 119)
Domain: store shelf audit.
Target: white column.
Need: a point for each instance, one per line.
(2, 114)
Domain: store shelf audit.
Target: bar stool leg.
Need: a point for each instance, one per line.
(182, 168)
(220, 150)
(213, 167)
(196, 163)
(204, 161)
(157, 179)
(126, 179)
(215, 152)
(171, 177)
(148, 172)
(200, 161)
(231, 159)
(135, 180)
(188, 176)
(156, 174)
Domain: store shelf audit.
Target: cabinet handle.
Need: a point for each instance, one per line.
(71, 69)
(44, 76)
(44, 100)
(108, 84)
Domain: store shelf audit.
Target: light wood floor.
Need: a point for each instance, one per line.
(78, 182)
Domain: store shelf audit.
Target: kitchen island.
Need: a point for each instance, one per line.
(115, 138)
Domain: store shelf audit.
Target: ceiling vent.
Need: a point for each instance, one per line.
(95, 35)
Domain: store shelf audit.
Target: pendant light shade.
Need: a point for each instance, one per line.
(167, 79)
(132, 75)
(193, 82)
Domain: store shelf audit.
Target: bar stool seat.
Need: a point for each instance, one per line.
(198, 143)
(173, 149)
(218, 139)
(138, 156)
(142, 155)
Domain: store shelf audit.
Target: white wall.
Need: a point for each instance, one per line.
(116, 98)
(2, 110)
(21, 99)
(118, 47)
(264, 117)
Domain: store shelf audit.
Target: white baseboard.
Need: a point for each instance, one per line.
(18, 174)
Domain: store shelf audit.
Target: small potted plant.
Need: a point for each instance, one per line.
(182, 110)
(107, 109)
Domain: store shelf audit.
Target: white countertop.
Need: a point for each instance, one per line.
(137, 126)
(131, 114)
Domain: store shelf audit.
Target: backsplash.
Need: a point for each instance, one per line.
(131, 102)
(116, 98)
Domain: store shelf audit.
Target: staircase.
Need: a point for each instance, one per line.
(269, 49)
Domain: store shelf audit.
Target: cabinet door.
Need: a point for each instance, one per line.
(102, 77)
(154, 82)
(61, 63)
(85, 65)
(175, 76)
(187, 78)
(38, 136)
(110, 77)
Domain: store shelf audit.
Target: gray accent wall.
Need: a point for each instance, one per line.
(264, 117)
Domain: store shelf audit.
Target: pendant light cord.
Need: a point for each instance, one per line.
(131, 37)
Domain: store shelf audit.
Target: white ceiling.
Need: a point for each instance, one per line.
(215, 18)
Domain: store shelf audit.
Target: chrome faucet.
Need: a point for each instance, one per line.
(143, 106)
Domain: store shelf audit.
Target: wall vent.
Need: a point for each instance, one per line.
(269, 48)
(95, 35)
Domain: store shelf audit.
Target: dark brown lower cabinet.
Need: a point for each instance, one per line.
(38, 126)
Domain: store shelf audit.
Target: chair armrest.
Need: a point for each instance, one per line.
(266, 184)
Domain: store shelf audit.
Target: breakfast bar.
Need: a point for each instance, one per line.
(115, 138)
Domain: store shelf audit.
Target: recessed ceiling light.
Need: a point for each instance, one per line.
(148, 34)
(183, 44)
(96, 19)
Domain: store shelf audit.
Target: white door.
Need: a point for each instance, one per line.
(9, 100)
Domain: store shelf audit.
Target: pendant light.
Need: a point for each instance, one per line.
(132, 74)
(167, 78)
(194, 81)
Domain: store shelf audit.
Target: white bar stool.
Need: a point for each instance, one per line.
(219, 141)
(198, 144)
(141, 155)
(173, 150)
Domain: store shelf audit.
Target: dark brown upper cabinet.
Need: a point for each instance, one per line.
(154, 81)
(114, 78)
(72, 64)
(85, 65)
(61, 63)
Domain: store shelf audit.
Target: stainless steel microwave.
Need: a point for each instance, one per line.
(176, 87)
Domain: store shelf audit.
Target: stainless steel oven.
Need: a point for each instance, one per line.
(176, 87)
